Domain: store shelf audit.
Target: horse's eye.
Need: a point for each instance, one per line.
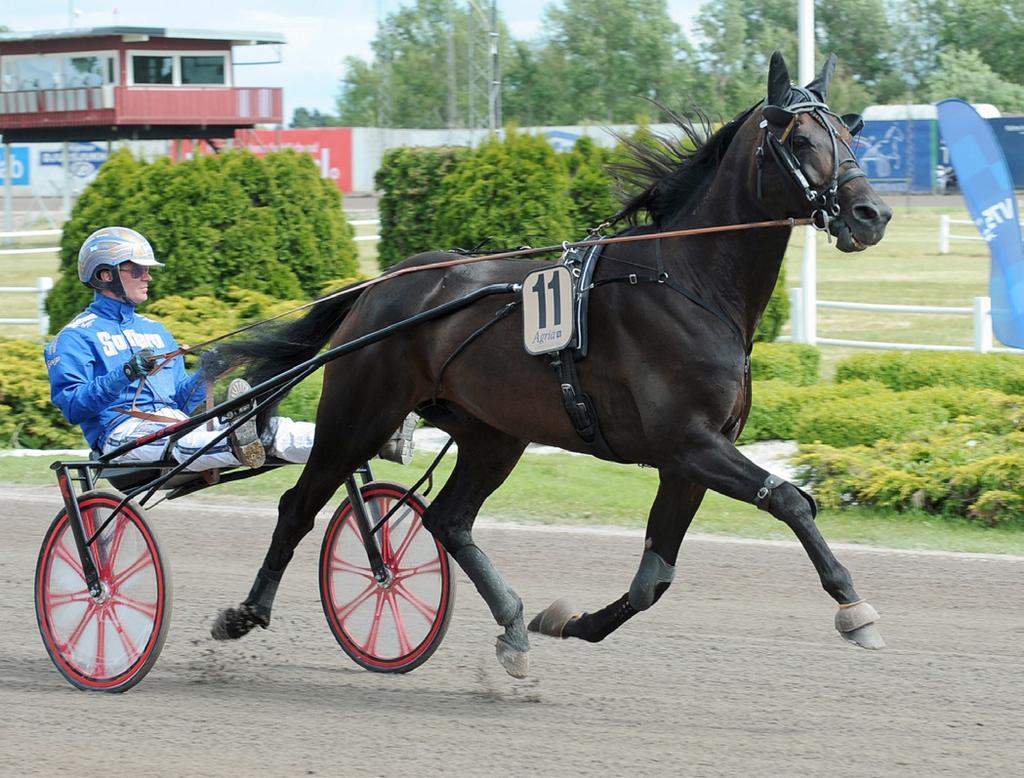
(801, 142)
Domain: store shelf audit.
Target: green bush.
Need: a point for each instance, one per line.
(28, 419)
(778, 406)
(508, 192)
(409, 180)
(794, 363)
(903, 370)
(953, 471)
(591, 189)
(866, 419)
(270, 224)
(776, 314)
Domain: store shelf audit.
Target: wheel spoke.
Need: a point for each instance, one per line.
(74, 637)
(65, 598)
(414, 528)
(130, 649)
(371, 640)
(115, 545)
(70, 560)
(345, 611)
(386, 552)
(101, 638)
(144, 561)
(145, 608)
(433, 566)
(404, 647)
(425, 610)
(343, 565)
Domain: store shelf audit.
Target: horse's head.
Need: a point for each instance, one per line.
(805, 160)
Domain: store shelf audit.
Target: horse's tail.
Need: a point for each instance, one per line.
(275, 348)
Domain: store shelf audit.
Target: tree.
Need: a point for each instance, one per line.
(618, 52)
(407, 83)
(992, 28)
(963, 74)
(304, 117)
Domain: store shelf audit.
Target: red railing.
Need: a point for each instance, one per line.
(233, 106)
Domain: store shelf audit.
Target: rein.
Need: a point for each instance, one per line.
(522, 252)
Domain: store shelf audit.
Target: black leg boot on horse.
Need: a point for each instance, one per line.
(486, 457)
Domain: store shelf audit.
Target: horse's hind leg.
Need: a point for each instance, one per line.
(486, 457)
(673, 510)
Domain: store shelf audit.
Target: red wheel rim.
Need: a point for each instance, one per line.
(101, 643)
(386, 626)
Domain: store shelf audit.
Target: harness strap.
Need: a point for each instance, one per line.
(146, 416)
(579, 406)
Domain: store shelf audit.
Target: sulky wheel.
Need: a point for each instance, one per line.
(107, 643)
(392, 627)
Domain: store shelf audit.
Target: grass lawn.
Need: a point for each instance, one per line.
(567, 489)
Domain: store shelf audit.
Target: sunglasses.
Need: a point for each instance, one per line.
(137, 271)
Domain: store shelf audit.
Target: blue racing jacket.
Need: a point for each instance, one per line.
(86, 359)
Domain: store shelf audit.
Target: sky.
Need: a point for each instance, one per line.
(320, 33)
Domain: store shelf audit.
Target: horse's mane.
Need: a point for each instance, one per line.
(672, 174)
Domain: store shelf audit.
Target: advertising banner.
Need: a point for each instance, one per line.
(899, 156)
(20, 170)
(984, 179)
(1010, 134)
(330, 147)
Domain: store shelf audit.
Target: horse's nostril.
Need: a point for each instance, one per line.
(870, 214)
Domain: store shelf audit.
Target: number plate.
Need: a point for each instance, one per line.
(547, 310)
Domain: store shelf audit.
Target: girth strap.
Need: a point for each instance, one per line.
(579, 407)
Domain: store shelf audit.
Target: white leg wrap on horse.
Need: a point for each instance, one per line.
(855, 615)
(653, 571)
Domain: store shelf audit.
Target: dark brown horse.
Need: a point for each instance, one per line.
(668, 366)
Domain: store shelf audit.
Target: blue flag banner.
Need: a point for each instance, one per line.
(984, 179)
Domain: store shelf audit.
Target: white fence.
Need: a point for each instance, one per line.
(946, 234)
(980, 312)
(42, 289)
(43, 284)
(365, 223)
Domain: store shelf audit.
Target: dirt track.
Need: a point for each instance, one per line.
(736, 672)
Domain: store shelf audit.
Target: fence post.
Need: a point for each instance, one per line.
(982, 324)
(944, 234)
(43, 286)
(796, 314)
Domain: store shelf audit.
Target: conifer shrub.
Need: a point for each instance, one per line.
(409, 182)
(903, 370)
(505, 193)
(269, 224)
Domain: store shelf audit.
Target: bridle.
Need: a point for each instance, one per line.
(826, 201)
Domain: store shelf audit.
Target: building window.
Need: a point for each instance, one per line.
(36, 73)
(88, 70)
(202, 70)
(152, 69)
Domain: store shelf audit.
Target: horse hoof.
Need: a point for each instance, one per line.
(552, 620)
(515, 662)
(233, 623)
(867, 636)
(856, 623)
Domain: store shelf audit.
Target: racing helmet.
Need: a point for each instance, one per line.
(109, 247)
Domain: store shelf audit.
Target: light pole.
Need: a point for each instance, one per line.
(808, 270)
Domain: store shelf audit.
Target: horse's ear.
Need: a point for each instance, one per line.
(820, 84)
(778, 80)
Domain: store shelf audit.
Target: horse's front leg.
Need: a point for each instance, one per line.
(711, 459)
(674, 508)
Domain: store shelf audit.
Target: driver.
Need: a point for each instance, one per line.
(96, 362)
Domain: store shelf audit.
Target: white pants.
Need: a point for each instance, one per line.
(292, 442)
